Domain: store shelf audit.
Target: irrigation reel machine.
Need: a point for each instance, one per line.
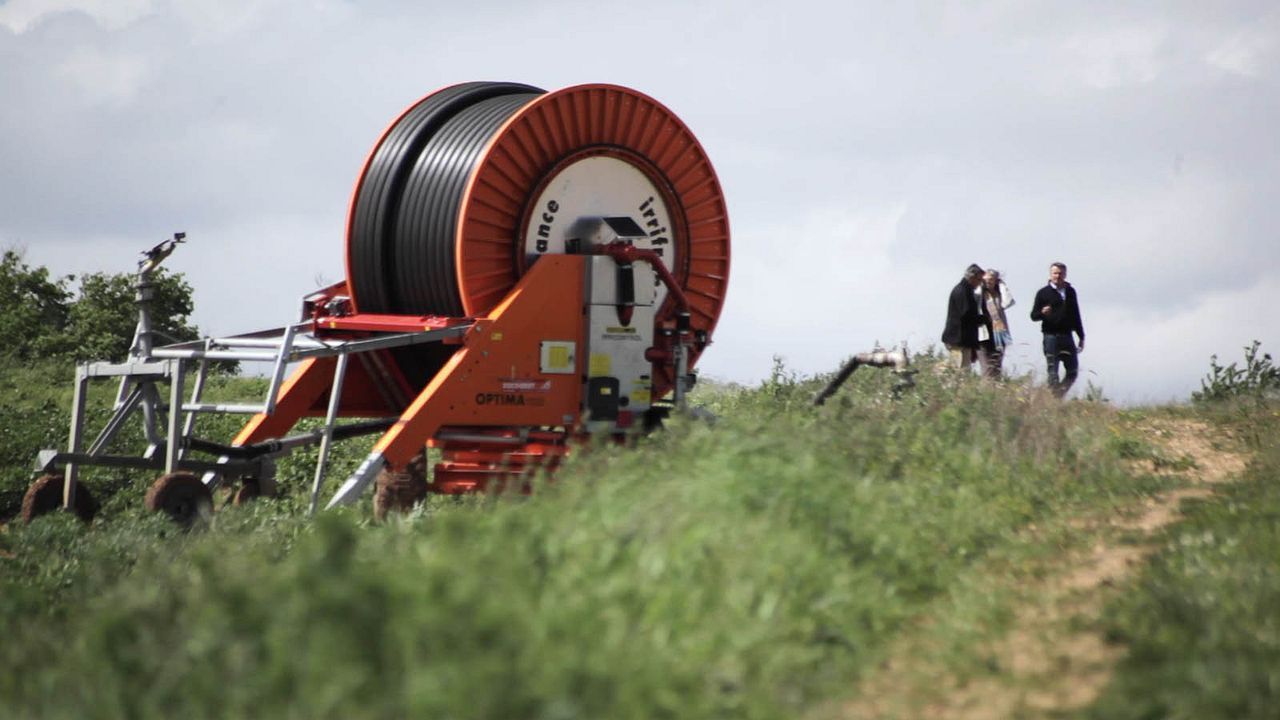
(523, 268)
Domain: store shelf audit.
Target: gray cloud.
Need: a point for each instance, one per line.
(869, 151)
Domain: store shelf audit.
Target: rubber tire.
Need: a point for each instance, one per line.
(44, 496)
(182, 497)
(400, 491)
(248, 492)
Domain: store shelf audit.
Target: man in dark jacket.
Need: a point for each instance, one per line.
(961, 332)
(1058, 311)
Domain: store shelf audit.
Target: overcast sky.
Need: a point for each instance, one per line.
(869, 151)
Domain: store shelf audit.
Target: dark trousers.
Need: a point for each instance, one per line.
(989, 359)
(1061, 349)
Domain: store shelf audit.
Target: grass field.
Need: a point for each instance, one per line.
(764, 566)
(1202, 623)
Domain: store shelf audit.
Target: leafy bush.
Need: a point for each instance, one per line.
(35, 308)
(102, 320)
(43, 319)
(1258, 379)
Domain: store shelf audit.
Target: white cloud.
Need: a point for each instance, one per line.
(21, 15)
(813, 291)
(1116, 57)
(208, 21)
(246, 275)
(1162, 358)
(103, 78)
(1243, 54)
(868, 151)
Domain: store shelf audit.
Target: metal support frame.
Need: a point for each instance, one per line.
(326, 439)
(140, 392)
(368, 337)
(359, 480)
(277, 373)
(123, 410)
(147, 366)
(173, 448)
(75, 437)
(197, 391)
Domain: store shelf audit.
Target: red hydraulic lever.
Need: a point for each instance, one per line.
(626, 253)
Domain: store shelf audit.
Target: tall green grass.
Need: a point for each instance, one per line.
(746, 568)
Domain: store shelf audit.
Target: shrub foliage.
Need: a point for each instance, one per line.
(44, 319)
(1258, 379)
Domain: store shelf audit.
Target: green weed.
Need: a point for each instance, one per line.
(1259, 379)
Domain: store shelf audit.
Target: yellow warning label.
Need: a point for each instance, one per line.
(640, 397)
(599, 365)
(496, 336)
(558, 357)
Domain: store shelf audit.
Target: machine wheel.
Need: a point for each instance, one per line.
(249, 491)
(400, 491)
(45, 495)
(182, 497)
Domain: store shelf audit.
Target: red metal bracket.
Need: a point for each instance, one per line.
(626, 253)
(373, 322)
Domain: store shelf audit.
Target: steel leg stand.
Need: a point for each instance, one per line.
(173, 449)
(75, 437)
(124, 409)
(326, 440)
(150, 403)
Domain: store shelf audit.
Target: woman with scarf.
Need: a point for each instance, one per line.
(995, 299)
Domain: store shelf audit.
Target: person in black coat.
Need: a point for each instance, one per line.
(1057, 309)
(960, 334)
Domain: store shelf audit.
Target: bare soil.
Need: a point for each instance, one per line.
(1052, 659)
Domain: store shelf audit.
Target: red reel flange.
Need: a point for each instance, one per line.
(473, 183)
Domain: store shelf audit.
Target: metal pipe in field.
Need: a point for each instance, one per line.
(896, 359)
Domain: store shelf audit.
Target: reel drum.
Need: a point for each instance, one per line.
(475, 182)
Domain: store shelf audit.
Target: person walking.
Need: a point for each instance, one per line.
(960, 334)
(995, 298)
(1057, 308)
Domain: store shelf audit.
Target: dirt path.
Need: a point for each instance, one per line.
(1051, 659)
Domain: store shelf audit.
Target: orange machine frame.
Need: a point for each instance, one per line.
(493, 385)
